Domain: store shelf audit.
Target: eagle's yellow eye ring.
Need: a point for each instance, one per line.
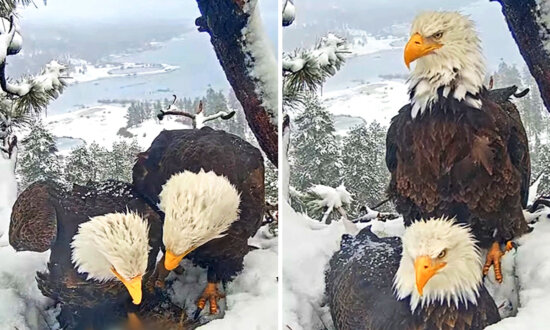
(442, 254)
(437, 35)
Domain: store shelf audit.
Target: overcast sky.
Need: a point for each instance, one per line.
(380, 17)
(128, 11)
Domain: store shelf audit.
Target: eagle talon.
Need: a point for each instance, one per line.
(212, 295)
(493, 259)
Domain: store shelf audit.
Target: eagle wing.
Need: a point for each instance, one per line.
(33, 225)
(518, 146)
(359, 284)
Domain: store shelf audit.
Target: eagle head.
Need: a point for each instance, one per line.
(198, 207)
(440, 263)
(449, 60)
(114, 245)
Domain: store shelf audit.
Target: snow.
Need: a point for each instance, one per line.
(22, 303)
(83, 71)
(262, 63)
(329, 53)
(533, 271)
(331, 197)
(100, 124)
(378, 101)
(252, 301)
(361, 43)
(309, 245)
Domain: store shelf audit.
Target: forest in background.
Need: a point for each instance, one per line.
(40, 160)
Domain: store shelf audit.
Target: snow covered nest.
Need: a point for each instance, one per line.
(309, 245)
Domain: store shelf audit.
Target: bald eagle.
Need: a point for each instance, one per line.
(428, 279)
(212, 232)
(458, 149)
(104, 241)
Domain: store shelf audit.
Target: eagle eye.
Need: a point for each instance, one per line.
(437, 35)
(442, 254)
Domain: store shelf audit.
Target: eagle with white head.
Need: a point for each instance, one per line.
(198, 208)
(103, 241)
(113, 246)
(209, 184)
(428, 279)
(458, 149)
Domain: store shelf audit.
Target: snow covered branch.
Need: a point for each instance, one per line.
(245, 54)
(27, 96)
(529, 22)
(307, 69)
(197, 119)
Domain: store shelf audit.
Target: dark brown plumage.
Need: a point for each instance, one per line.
(211, 150)
(47, 217)
(462, 162)
(359, 288)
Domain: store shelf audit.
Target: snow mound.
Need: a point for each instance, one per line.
(251, 298)
(533, 273)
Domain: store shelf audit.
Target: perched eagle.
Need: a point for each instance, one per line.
(104, 241)
(458, 149)
(227, 167)
(428, 279)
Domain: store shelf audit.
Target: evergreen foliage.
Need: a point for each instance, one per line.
(315, 155)
(38, 159)
(365, 174)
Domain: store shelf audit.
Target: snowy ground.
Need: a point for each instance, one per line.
(100, 124)
(84, 71)
(362, 43)
(378, 101)
(308, 246)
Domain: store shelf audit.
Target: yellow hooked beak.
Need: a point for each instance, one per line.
(425, 269)
(171, 261)
(133, 286)
(418, 47)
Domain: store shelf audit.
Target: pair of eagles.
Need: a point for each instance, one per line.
(195, 193)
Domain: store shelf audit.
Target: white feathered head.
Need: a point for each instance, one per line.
(440, 262)
(198, 207)
(447, 52)
(114, 245)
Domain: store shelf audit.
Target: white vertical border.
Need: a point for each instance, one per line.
(280, 164)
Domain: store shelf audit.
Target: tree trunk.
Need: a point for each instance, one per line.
(224, 21)
(529, 33)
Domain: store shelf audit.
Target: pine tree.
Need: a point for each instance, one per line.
(120, 161)
(39, 160)
(79, 166)
(315, 157)
(364, 169)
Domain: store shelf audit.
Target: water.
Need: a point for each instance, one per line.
(196, 72)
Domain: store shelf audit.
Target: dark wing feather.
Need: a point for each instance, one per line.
(359, 284)
(518, 146)
(33, 225)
